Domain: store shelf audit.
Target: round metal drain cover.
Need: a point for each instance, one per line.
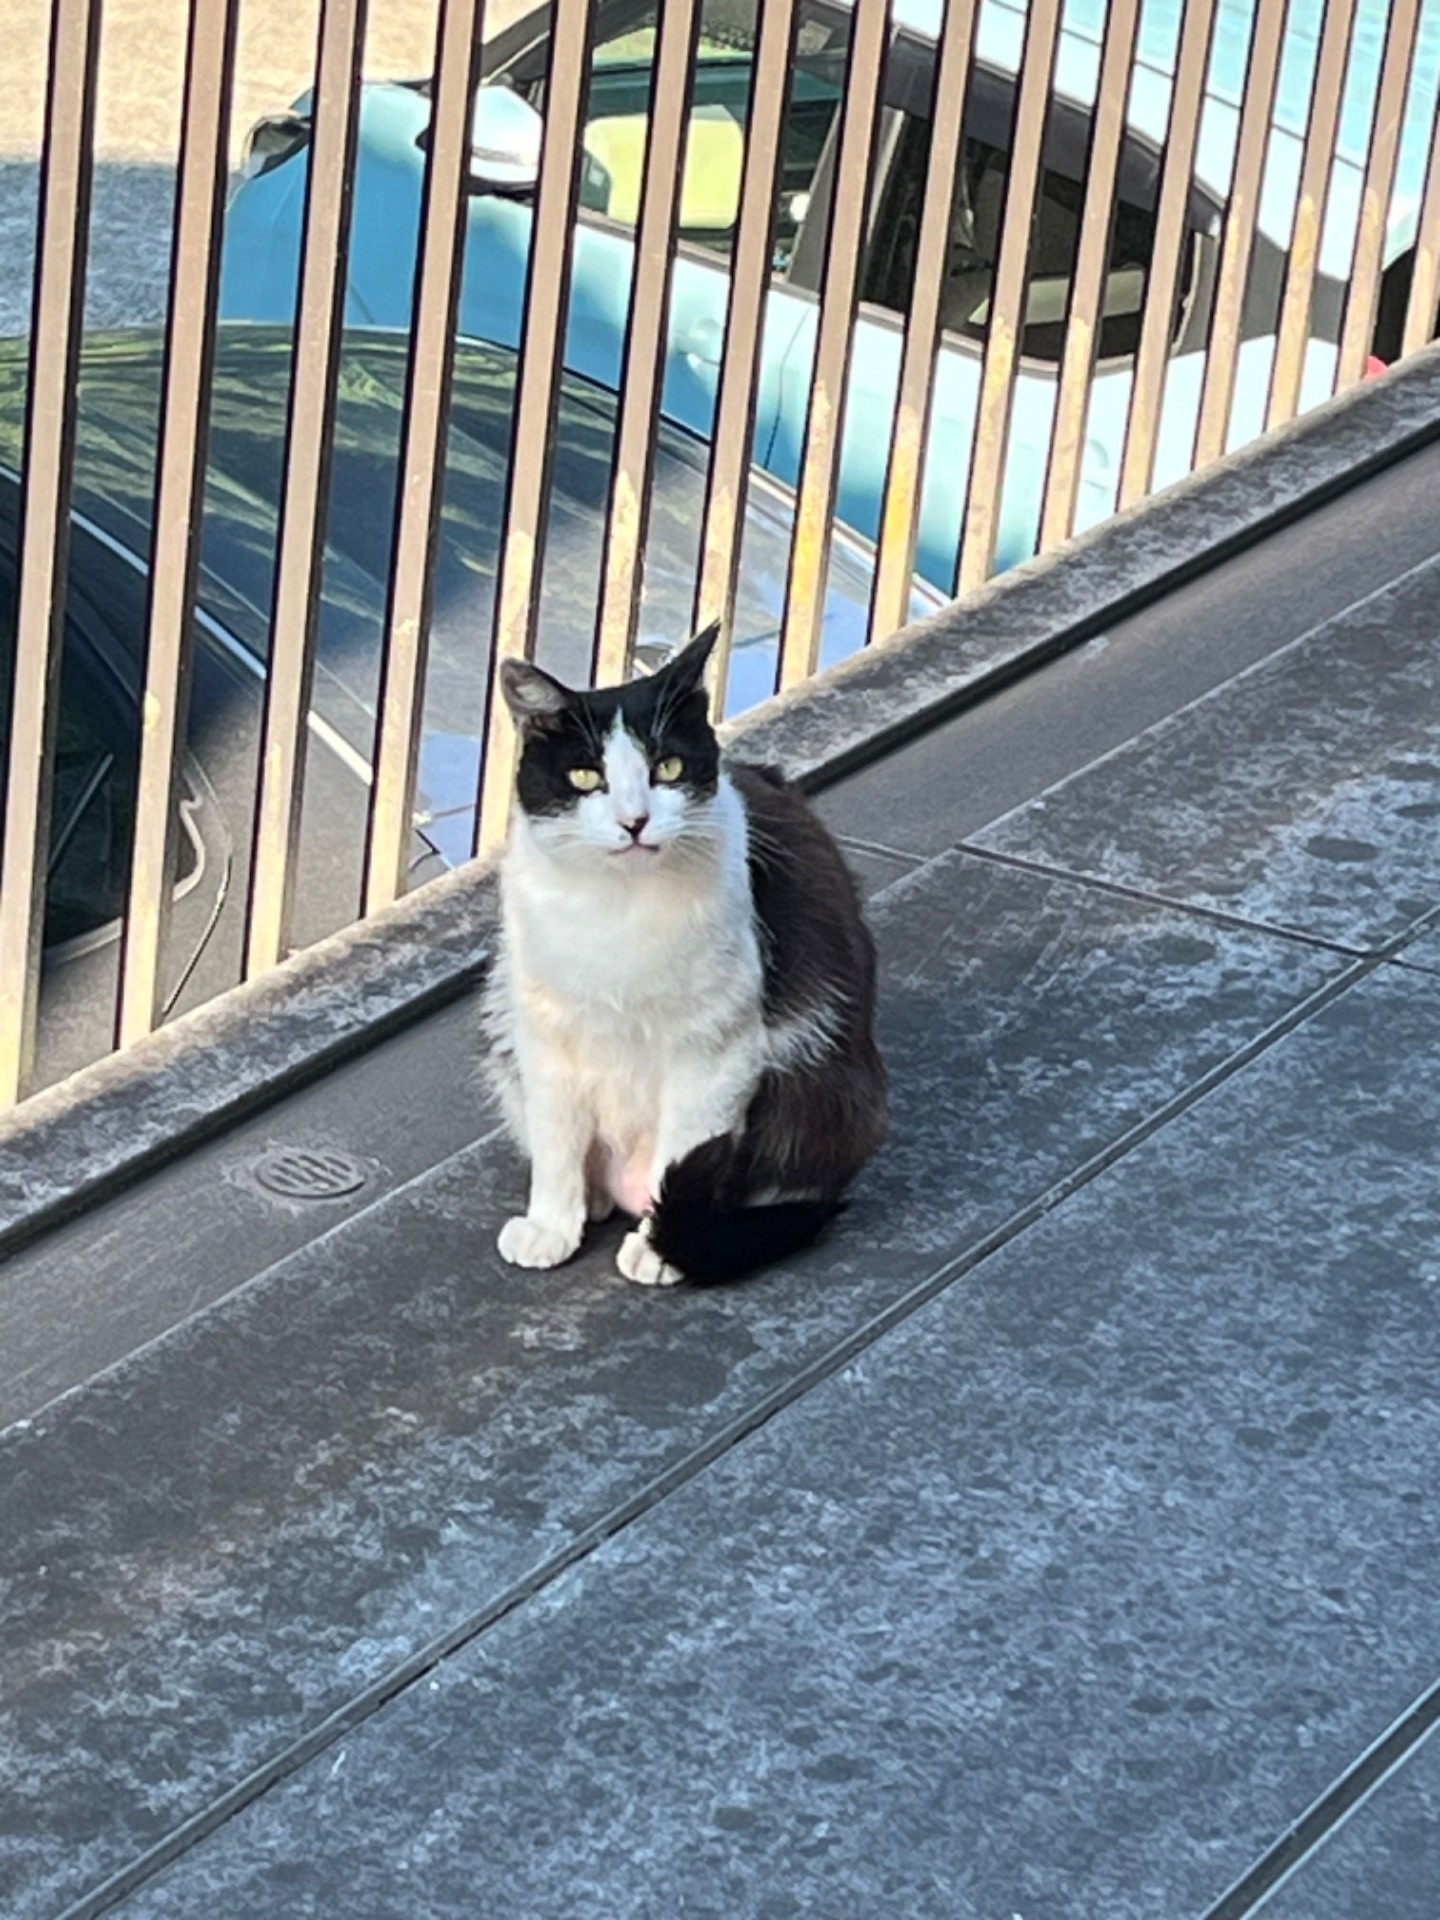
(308, 1173)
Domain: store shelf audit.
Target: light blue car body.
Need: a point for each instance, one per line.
(266, 217)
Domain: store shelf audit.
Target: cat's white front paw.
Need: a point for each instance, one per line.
(638, 1261)
(532, 1243)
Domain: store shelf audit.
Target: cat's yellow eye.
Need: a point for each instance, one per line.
(669, 770)
(585, 779)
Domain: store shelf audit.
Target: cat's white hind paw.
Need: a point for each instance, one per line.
(531, 1243)
(638, 1261)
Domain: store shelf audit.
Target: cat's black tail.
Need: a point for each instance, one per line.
(698, 1229)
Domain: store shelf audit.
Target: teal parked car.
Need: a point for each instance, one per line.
(266, 215)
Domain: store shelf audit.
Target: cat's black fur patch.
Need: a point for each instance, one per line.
(814, 1125)
(562, 728)
(702, 1226)
(810, 1126)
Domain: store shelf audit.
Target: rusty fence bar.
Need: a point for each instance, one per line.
(819, 472)
(179, 499)
(308, 446)
(547, 305)
(852, 180)
(1293, 337)
(1083, 322)
(422, 459)
(641, 381)
(904, 478)
(744, 323)
(1152, 361)
(1006, 324)
(60, 255)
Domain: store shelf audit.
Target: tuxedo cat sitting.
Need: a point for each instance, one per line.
(681, 1014)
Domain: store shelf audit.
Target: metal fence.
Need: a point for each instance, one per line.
(1023, 265)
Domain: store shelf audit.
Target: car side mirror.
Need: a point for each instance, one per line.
(505, 135)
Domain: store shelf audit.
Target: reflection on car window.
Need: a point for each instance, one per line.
(92, 813)
(977, 220)
(91, 818)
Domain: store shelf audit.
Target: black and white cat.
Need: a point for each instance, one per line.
(681, 1013)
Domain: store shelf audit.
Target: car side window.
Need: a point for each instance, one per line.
(618, 115)
(978, 218)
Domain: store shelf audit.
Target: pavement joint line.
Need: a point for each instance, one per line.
(1326, 1815)
(1423, 923)
(1431, 563)
(854, 841)
(356, 1712)
(1238, 921)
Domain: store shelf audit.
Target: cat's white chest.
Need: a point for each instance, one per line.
(624, 985)
(645, 965)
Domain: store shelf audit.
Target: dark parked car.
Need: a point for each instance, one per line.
(99, 721)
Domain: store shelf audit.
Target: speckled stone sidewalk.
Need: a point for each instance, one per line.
(1046, 1543)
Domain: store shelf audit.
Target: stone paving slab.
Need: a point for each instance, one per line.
(1304, 794)
(240, 1530)
(1064, 1599)
(1385, 1861)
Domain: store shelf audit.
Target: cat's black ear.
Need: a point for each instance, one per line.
(533, 697)
(686, 672)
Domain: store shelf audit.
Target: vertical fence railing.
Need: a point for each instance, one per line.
(62, 237)
(422, 458)
(1005, 326)
(820, 469)
(1293, 338)
(1157, 327)
(179, 501)
(793, 55)
(547, 306)
(1082, 333)
(1384, 152)
(900, 513)
(1237, 245)
(644, 368)
(309, 445)
(744, 323)
(1420, 308)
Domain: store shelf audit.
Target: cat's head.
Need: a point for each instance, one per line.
(627, 774)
